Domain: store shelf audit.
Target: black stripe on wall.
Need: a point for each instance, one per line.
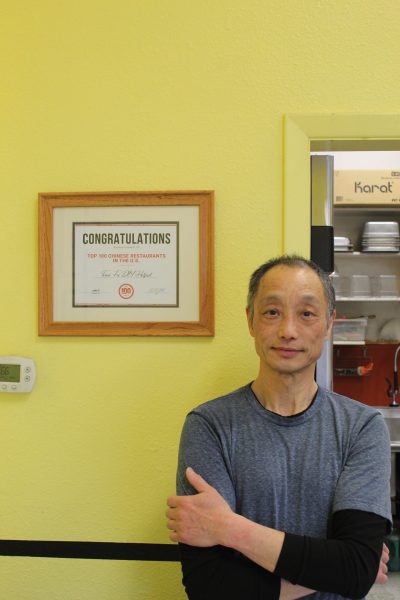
(94, 550)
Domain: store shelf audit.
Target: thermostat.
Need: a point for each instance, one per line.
(17, 374)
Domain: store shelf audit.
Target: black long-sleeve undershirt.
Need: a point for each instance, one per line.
(346, 563)
(218, 572)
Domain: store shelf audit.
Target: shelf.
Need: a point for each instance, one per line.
(368, 343)
(365, 208)
(383, 342)
(367, 254)
(348, 343)
(367, 298)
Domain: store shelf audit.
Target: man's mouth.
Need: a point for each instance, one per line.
(287, 352)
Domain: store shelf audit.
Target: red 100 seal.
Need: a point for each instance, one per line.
(126, 291)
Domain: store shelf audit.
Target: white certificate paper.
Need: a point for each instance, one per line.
(126, 264)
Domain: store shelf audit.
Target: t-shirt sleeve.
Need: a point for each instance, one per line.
(203, 449)
(364, 483)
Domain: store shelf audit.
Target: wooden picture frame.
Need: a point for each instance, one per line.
(126, 264)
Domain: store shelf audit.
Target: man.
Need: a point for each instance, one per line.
(283, 488)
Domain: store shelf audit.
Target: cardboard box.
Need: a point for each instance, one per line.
(367, 187)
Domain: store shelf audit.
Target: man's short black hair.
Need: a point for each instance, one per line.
(291, 260)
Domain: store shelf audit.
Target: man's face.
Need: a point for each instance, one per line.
(290, 321)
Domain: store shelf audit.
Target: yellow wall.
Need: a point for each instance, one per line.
(148, 95)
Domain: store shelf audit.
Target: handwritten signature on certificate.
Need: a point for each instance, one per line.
(126, 274)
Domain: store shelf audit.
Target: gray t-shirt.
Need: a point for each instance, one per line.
(290, 473)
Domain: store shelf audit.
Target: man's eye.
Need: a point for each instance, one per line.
(271, 312)
(308, 313)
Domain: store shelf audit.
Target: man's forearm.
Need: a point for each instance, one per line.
(353, 554)
(218, 572)
(292, 592)
(263, 546)
(260, 544)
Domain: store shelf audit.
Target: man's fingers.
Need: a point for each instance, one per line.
(385, 554)
(196, 480)
(169, 513)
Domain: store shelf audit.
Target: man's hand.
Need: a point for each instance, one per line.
(198, 520)
(382, 571)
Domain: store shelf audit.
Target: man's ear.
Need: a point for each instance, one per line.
(330, 323)
(250, 315)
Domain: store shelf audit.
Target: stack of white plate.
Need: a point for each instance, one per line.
(342, 244)
(381, 236)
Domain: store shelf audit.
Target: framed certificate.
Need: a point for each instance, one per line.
(126, 263)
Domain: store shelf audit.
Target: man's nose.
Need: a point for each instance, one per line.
(287, 327)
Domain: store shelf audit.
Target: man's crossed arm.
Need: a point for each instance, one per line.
(205, 520)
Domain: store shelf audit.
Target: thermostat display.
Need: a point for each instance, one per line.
(17, 374)
(10, 373)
